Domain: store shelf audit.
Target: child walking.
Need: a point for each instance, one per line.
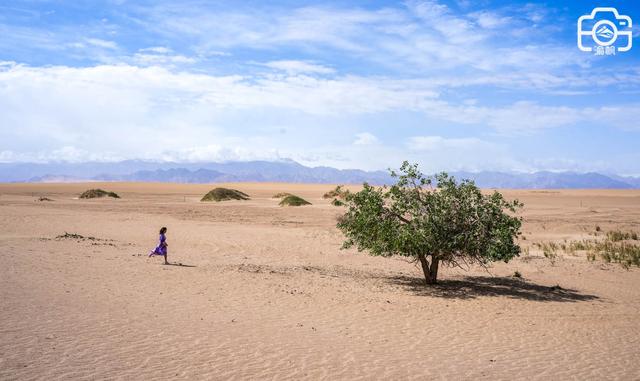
(161, 249)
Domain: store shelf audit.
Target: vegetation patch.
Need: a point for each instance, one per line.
(224, 194)
(615, 247)
(549, 250)
(293, 200)
(619, 235)
(281, 195)
(97, 193)
(338, 192)
(74, 236)
(339, 195)
(80, 238)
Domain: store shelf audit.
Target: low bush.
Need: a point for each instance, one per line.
(97, 193)
(293, 200)
(224, 194)
(337, 192)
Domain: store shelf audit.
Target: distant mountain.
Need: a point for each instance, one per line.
(286, 171)
(258, 171)
(173, 175)
(548, 180)
(633, 181)
(135, 170)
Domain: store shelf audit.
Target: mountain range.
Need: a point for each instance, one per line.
(285, 171)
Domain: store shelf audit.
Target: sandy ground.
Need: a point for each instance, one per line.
(265, 292)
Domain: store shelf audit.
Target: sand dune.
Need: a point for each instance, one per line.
(265, 292)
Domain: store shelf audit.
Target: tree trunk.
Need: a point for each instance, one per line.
(435, 262)
(430, 270)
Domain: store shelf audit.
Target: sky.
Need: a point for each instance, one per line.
(451, 85)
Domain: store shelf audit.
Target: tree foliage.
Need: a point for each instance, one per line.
(431, 219)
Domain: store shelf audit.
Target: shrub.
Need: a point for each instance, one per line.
(339, 193)
(97, 193)
(625, 254)
(281, 195)
(549, 250)
(454, 223)
(293, 200)
(224, 194)
(619, 235)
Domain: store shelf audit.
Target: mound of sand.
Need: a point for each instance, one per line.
(96, 193)
(293, 200)
(281, 195)
(224, 194)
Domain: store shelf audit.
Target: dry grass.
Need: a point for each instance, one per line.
(615, 247)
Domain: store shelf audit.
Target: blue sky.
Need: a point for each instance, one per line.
(457, 85)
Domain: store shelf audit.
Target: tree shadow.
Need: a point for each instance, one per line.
(471, 287)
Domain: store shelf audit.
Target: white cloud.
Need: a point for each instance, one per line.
(66, 153)
(296, 67)
(365, 138)
(161, 56)
(162, 59)
(528, 117)
(101, 43)
(422, 37)
(490, 20)
(151, 112)
(439, 143)
(437, 153)
(129, 111)
(157, 50)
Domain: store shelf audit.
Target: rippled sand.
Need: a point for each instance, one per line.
(265, 292)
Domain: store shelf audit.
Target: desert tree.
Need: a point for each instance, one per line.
(432, 220)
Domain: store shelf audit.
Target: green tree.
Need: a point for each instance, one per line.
(431, 219)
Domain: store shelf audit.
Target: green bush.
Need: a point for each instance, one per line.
(293, 200)
(97, 193)
(337, 193)
(224, 194)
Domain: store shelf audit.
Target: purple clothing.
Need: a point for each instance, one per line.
(161, 249)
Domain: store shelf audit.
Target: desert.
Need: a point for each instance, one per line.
(260, 291)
